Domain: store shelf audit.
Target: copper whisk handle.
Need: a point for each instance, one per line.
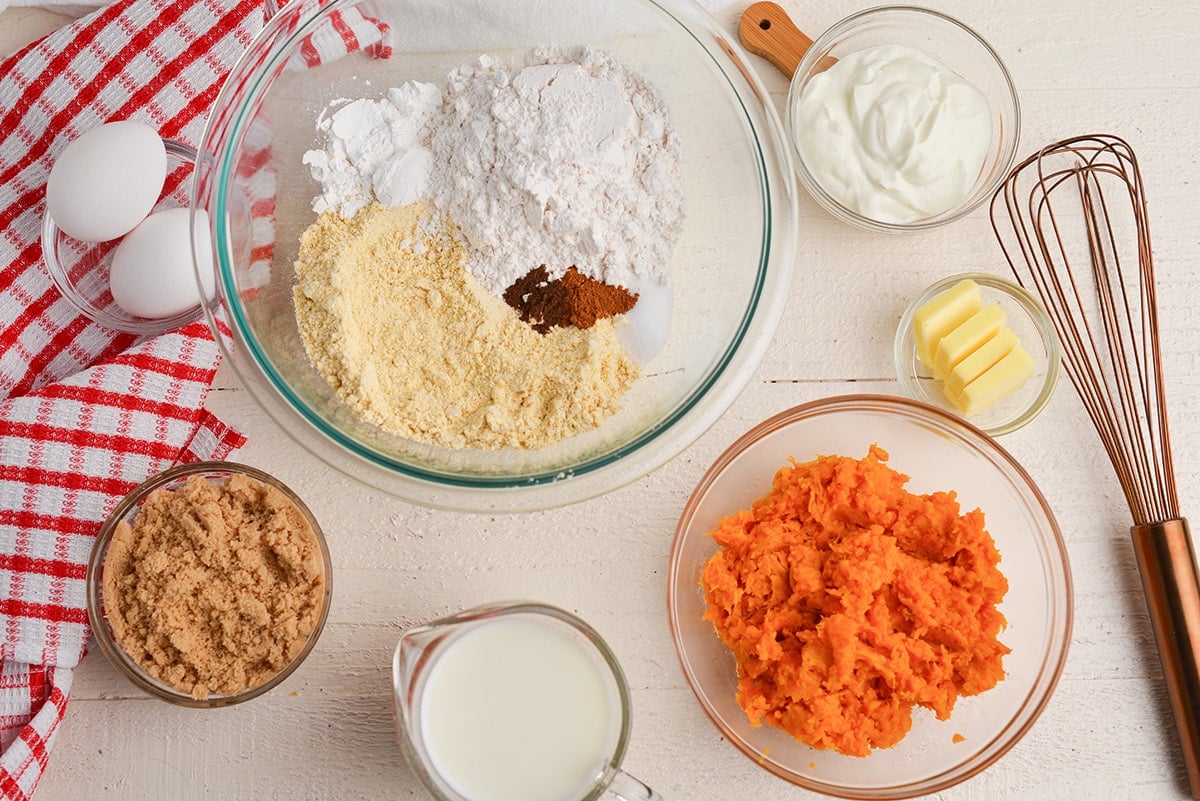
(1171, 582)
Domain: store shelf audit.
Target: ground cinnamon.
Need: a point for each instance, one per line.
(573, 300)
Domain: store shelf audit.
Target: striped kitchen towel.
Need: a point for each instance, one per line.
(87, 413)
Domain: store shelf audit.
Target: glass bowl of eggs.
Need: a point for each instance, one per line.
(124, 259)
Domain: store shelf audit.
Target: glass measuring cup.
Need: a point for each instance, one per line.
(513, 700)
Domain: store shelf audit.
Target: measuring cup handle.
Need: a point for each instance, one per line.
(627, 788)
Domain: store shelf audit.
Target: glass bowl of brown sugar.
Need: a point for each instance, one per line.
(575, 294)
(209, 584)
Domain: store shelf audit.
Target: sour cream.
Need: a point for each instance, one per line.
(892, 134)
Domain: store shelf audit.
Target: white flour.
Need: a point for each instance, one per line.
(375, 149)
(570, 160)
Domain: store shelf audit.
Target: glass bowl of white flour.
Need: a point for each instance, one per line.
(501, 255)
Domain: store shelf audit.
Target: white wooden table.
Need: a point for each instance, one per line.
(1081, 66)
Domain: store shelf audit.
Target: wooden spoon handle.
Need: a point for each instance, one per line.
(766, 30)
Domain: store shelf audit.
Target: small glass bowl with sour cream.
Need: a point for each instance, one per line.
(902, 119)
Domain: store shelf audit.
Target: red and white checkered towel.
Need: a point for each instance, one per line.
(86, 413)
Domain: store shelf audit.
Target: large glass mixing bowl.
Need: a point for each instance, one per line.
(729, 274)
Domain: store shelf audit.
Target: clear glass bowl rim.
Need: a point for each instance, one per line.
(534, 490)
(902, 356)
(54, 268)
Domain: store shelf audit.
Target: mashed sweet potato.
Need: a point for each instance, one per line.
(848, 600)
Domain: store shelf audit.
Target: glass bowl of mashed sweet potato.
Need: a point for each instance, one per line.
(869, 597)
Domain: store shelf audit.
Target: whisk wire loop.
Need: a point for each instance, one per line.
(1070, 211)
(1128, 387)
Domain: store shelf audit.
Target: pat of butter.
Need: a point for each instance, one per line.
(978, 362)
(942, 314)
(967, 338)
(1003, 377)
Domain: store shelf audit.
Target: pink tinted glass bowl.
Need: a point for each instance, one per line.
(939, 452)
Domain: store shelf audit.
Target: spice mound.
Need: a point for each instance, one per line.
(575, 299)
(215, 587)
(848, 601)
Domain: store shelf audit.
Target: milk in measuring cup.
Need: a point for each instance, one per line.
(517, 709)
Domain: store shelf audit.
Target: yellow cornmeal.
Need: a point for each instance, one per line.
(413, 343)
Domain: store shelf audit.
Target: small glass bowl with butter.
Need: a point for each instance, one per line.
(1010, 316)
(932, 130)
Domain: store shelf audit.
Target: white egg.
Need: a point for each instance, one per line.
(107, 181)
(152, 274)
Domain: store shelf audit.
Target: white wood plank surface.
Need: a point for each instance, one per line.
(1081, 66)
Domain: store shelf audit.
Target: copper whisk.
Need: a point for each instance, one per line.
(1072, 222)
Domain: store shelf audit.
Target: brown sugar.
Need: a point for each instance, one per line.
(215, 587)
